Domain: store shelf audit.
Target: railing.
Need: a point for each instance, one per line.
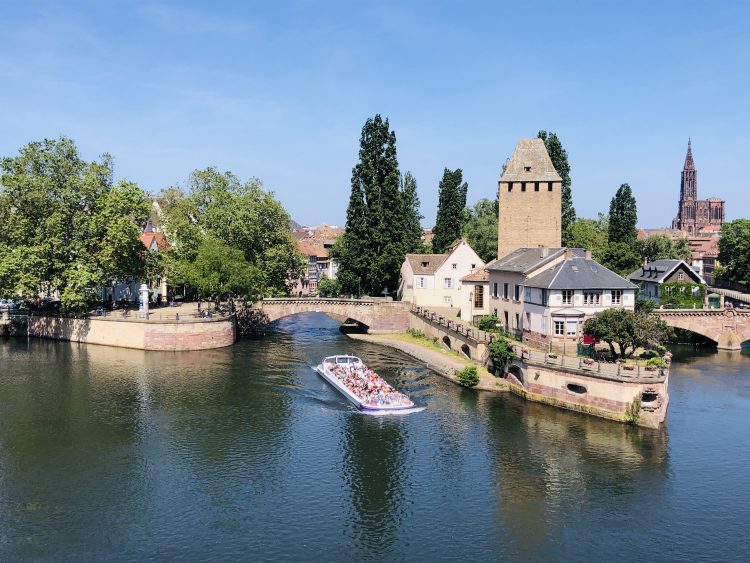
(325, 300)
(584, 366)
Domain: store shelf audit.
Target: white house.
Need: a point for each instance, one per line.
(435, 280)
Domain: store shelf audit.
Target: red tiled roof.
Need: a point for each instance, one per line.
(161, 241)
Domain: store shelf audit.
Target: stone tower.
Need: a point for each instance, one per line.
(694, 214)
(530, 200)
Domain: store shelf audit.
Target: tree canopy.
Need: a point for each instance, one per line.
(662, 247)
(450, 214)
(628, 330)
(481, 228)
(220, 214)
(734, 251)
(591, 234)
(381, 217)
(623, 216)
(65, 225)
(559, 157)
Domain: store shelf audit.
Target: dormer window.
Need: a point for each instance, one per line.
(425, 264)
(454, 266)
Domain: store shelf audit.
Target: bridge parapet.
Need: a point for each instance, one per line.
(728, 327)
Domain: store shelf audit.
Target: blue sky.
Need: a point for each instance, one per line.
(280, 91)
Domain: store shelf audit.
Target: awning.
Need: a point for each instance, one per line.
(568, 313)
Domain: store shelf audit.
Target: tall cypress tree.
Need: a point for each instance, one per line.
(623, 216)
(412, 218)
(450, 215)
(559, 157)
(371, 251)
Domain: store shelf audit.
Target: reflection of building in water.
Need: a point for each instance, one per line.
(548, 458)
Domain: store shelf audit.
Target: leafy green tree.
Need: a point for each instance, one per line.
(450, 213)
(501, 354)
(65, 225)
(243, 216)
(662, 247)
(411, 215)
(621, 257)
(372, 250)
(628, 330)
(481, 228)
(559, 157)
(591, 234)
(734, 251)
(328, 287)
(220, 270)
(623, 216)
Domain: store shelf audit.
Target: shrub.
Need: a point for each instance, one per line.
(488, 323)
(656, 363)
(416, 333)
(501, 354)
(468, 377)
(633, 411)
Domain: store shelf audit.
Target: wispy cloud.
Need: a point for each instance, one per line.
(183, 20)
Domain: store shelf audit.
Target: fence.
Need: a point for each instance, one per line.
(586, 366)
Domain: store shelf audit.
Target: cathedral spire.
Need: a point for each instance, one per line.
(689, 164)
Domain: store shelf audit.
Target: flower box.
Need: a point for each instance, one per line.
(651, 368)
(628, 367)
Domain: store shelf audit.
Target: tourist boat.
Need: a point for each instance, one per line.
(362, 386)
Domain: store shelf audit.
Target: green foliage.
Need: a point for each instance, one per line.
(681, 295)
(468, 376)
(328, 287)
(411, 215)
(450, 214)
(488, 323)
(481, 228)
(220, 270)
(64, 224)
(621, 257)
(243, 216)
(591, 234)
(662, 247)
(623, 216)
(416, 333)
(501, 354)
(627, 329)
(656, 362)
(372, 250)
(633, 411)
(734, 251)
(559, 157)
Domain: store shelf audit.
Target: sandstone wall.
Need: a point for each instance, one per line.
(143, 335)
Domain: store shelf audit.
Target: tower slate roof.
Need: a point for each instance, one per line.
(530, 163)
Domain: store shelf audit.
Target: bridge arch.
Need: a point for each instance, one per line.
(728, 328)
(466, 351)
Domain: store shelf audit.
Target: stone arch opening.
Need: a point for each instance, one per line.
(466, 351)
(447, 342)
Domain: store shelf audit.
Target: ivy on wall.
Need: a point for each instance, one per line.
(681, 295)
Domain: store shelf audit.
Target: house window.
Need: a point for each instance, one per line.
(420, 282)
(680, 276)
(479, 297)
(505, 291)
(447, 283)
(517, 292)
(454, 266)
(559, 328)
(616, 296)
(567, 297)
(591, 297)
(527, 295)
(494, 290)
(448, 300)
(572, 326)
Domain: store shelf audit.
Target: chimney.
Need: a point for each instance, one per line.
(543, 252)
(569, 253)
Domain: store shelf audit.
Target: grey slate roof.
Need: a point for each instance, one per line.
(579, 273)
(530, 163)
(433, 261)
(524, 260)
(658, 270)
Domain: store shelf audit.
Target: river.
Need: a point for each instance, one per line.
(246, 453)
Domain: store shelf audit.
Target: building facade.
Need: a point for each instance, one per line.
(695, 215)
(652, 277)
(530, 195)
(436, 280)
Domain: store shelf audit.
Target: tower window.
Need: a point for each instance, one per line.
(549, 187)
(523, 186)
(527, 168)
(536, 186)
(510, 187)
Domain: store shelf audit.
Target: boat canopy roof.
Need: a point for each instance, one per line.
(344, 359)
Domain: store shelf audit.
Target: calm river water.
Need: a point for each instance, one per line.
(246, 453)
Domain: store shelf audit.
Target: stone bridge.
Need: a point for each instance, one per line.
(377, 315)
(729, 328)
